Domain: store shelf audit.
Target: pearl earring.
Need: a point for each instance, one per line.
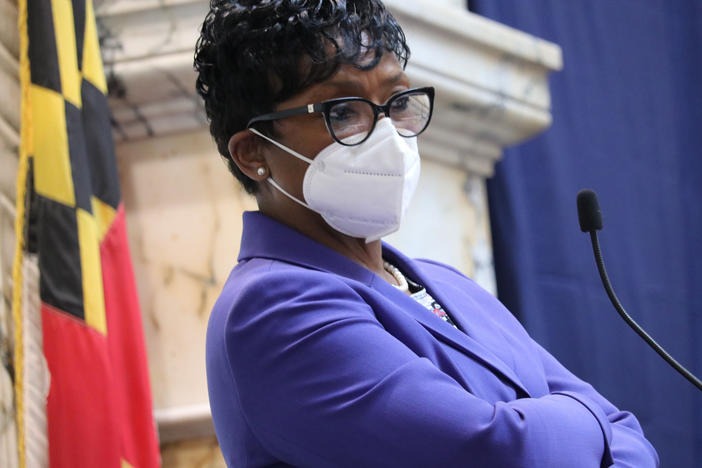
(261, 171)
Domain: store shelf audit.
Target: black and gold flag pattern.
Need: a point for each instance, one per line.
(98, 410)
(75, 181)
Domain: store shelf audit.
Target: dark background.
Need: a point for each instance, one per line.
(627, 112)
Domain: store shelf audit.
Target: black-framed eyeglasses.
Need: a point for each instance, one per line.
(351, 120)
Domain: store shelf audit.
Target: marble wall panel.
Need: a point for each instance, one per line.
(448, 221)
(184, 220)
(454, 3)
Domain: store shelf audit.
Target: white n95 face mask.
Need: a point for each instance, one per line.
(362, 191)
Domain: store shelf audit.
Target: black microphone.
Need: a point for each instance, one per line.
(589, 213)
(590, 218)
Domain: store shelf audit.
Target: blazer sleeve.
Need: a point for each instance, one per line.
(628, 447)
(322, 384)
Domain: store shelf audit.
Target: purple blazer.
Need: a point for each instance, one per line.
(315, 361)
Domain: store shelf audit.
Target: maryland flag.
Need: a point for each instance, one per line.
(97, 401)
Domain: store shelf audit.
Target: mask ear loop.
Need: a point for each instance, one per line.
(270, 177)
(284, 192)
(281, 146)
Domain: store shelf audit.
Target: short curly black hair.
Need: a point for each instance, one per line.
(250, 54)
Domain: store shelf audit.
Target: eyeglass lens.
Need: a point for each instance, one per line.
(351, 121)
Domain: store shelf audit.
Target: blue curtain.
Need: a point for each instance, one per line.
(628, 123)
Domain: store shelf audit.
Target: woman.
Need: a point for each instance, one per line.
(327, 347)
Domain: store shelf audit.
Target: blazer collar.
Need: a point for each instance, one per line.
(264, 237)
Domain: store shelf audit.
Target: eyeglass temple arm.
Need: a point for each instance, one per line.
(308, 109)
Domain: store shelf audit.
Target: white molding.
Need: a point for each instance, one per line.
(184, 422)
(117, 7)
(491, 80)
(470, 27)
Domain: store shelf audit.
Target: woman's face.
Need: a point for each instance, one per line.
(308, 135)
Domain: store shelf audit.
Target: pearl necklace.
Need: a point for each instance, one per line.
(402, 284)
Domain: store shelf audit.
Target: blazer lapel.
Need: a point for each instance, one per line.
(460, 340)
(264, 237)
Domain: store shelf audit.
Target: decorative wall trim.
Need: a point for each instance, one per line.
(491, 80)
(185, 422)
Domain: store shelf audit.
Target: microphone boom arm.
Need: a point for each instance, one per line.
(630, 321)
